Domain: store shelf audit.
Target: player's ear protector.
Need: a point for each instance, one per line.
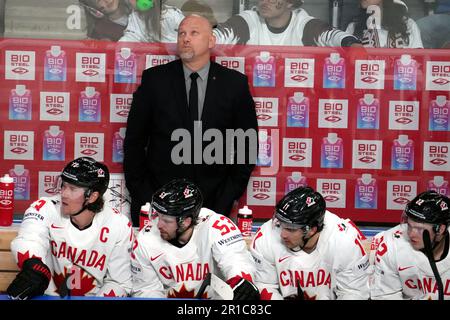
(144, 5)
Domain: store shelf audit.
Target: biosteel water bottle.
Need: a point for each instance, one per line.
(265, 149)
(366, 192)
(118, 138)
(294, 181)
(20, 103)
(144, 219)
(54, 144)
(368, 113)
(6, 200)
(298, 111)
(332, 151)
(21, 178)
(405, 73)
(89, 105)
(439, 185)
(334, 71)
(402, 153)
(125, 66)
(439, 114)
(55, 64)
(264, 70)
(245, 221)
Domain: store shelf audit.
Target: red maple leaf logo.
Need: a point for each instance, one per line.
(184, 293)
(110, 294)
(21, 257)
(78, 281)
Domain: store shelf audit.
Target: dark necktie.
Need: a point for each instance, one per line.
(193, 97)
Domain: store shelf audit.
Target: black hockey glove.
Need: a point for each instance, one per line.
(243, 289)
(32, 281)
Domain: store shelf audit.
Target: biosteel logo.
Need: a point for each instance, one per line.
(156, 60)
(261, 191)
(120, 107)
(399, 193)
(20, 65)
(367, 154)
(234, 63)
(266, 111)
(438, 75)
(333, 191)
(299, 73)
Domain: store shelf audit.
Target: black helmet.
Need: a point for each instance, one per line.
(303, 207)
(429, 207)
(178, 198)
(87, 173)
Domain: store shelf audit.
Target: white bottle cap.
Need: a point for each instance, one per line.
(332, 137)
(55, 50)
(296, 176)
(441, 100)
(438, 180)
(366, 178)
(262, 135)
(334, 57)
(145, 207)
(264, 56)
(405, 58)
(298, 96)
(245, 211)
(20, 89)
(19, 169)
(403, 138)
(125, 52)
(90, 91)
(54, 130)
(122, 131)
(6, 179)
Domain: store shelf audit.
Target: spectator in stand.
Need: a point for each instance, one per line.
(281, 22)
(435, 28)
(106, 19)
(153, 21)
(201, 8)
(385, 24)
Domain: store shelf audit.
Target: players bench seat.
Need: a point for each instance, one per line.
(8, 267)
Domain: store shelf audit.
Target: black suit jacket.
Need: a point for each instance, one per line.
(159, 108)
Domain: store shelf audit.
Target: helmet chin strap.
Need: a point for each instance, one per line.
(179, 232)
(305, 240)
(87, 194)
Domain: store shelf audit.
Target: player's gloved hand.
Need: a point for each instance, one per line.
(32, 281)
(243, 289)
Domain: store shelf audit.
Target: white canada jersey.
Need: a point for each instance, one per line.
(336, 269)
(402, 272)
(380, 40)
(162, 270)
(248, 27)
(136, 30)
(95, 261)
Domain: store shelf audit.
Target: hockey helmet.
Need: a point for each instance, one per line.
(87, 173)
(429, 207)
(178, 198)
(302, 207)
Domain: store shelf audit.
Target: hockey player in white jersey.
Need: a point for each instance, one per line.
(281, 22)
(70, 244)
(308, 253)
(185, 243)
(411, 260)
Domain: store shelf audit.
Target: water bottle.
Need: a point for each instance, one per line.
(245, 221)
(6, 200)
(144, 216)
